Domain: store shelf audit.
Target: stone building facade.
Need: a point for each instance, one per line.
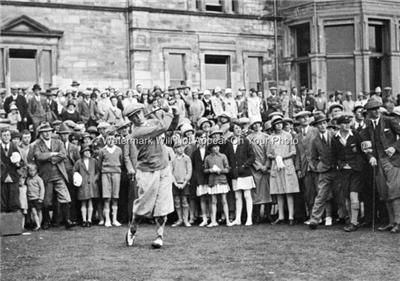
(199, 43)
(342, 45)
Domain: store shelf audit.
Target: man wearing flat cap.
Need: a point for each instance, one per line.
(383, 132)
(50, 155)
(35, 107)
(152, 171)
(308, 178)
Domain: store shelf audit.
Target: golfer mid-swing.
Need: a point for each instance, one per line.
(152, 172)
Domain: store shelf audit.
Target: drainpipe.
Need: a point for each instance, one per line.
(276, 43)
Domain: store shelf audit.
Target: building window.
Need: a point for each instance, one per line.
(340, 57)
(217, 71)
(302, 39)
(214, 5)
(304, 70)
(254, 71)
(346, 42)
(176, 67)
(340, 74)
(235, 6)
(378, 38)
(302, 48)
(23, 68)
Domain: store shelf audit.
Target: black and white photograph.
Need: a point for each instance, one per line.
(185, 140)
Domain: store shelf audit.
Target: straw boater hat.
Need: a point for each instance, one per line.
(103, 125)
(275, 113)
(215, 130)
(186, 128)
(92, 130)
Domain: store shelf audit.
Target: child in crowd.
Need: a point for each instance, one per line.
(14, 117)
(110, 159)
(182, 172)
(35, 194)
(200, 178)
(217, 166)
(88, 169)
(23, 200)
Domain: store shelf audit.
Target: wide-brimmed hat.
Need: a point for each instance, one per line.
(75, 84)
(44, 128)
(215, 130)
(276, 120)
(186, 128)
(85, 147)
(303, 113)
(56, 123)
(254, 122)
(203, 120)
(224, 114)
(287, 120)
(133, 108)
(372, 104)
(86, 135)
(13, 107)
(318, 118)
(92, 130)
(335, 105)
(396, 110)
(103, 125)
(275, 113)
(64, 129)
(36, 87)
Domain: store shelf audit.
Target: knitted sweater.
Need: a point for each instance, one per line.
(182, 168)
(110, 162)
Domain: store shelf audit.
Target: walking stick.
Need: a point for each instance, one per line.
(373, 197)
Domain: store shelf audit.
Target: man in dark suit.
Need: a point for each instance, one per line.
(21, 104)
(84, 107)
(9, 173)
(72, 155)
(348, 158)
(50, 155)
(323, 162)
(35, 107)
(308, 178)
(383, 132)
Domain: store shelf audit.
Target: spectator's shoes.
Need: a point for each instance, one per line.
(278, 221)
(89, 224)
(328, 221)
(130, 238)
(187, 224)
(203, 223)
(69, 224)
(107, 224)
(177, 223)
(158, 243)
(116, 223)
(101, 222)
(307, 222)
(313, 225)
(386, 227)
(292, 222)
(396, 228)
(350, 228)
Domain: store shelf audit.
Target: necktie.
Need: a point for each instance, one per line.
(6, 149)
(375, 124)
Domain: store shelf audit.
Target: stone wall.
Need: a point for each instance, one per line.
(93, 48)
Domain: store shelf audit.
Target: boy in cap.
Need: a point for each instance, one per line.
(346, 149)
(152, 172)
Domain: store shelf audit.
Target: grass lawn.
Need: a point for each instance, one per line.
(261, 252)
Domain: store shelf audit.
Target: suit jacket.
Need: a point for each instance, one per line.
(242, 159)
(7, 167)
(303, 150)
(20, 102)
(84, 110)
(349, 154)
(44, 159)
(322, 159)
(198, 175)
(35, 108)
(389, 130)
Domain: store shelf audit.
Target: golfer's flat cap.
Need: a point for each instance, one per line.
(372, 104)
(133, 108)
